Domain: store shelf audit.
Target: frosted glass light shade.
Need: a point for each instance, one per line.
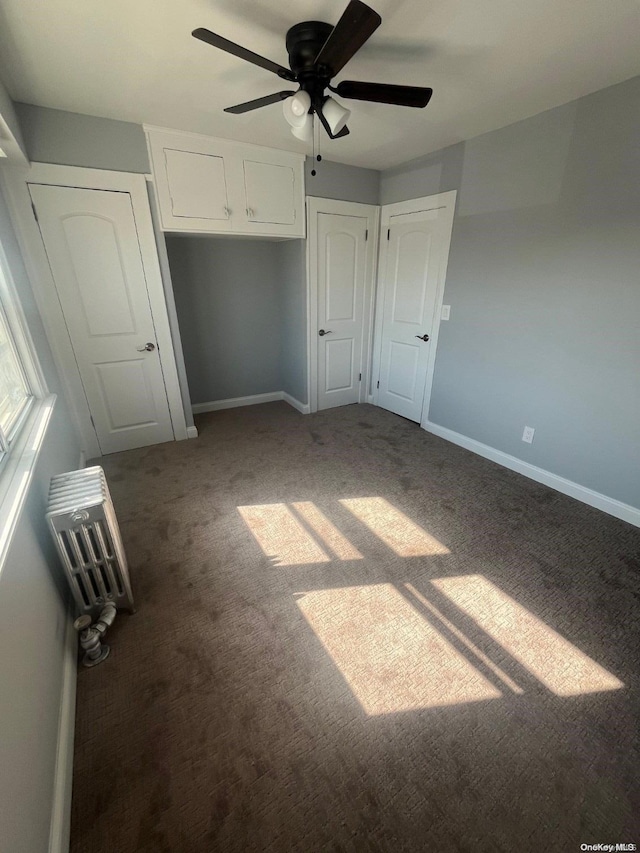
(336, 115)
(305, 131)
(296, 108)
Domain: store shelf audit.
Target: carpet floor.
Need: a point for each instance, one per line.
(354, 636)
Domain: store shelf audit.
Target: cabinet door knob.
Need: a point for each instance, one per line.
(249, 213)
(227, 212)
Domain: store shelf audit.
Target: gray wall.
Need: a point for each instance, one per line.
(544, 288)
(336, 180)
(241, 307)
(32, 621)
(227, 295)
(74, 139)
(293, 318)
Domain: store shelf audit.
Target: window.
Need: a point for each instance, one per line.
(20, 378)
(15, 393)
(25, 406)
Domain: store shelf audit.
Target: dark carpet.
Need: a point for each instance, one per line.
(354, 636)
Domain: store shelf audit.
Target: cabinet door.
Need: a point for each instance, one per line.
(215, 186)
(197, 185)
(269, 192)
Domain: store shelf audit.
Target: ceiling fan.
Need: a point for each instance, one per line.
(317, 53)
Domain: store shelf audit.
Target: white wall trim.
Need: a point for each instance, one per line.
(17, 183)
(574, 490)
(252, 400)
(60, 830)
(192, 432)
(303, 408)
(371, 212)
(235, 402)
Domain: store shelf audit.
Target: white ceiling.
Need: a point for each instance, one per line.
(490, 63)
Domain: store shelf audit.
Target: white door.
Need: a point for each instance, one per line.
(416, 254)
(92, 246)
(341, 297)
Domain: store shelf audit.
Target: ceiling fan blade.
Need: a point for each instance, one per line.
(355, 26)
(383, 93)
(242, 52)
(325, 124)
(258, 102)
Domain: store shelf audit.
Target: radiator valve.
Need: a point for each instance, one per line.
(95, 651)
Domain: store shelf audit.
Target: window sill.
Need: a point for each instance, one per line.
(18, 468)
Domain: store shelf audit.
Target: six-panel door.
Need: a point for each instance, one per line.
(92, 246)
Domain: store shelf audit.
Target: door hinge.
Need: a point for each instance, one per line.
(388, 233)
(35, 213)
(378, 385)
(359, 377)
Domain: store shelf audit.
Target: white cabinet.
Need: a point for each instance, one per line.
(207, 185)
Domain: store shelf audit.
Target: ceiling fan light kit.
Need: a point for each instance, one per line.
(336, 115)
(317, 53)
(296, 108)
(305, 131)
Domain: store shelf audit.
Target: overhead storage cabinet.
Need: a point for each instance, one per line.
(217, 186)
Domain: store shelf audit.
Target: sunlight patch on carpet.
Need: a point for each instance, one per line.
(462, 638)
(559, 665)
(390, 656)
(281, 536)
(327, 531)
(392, 526)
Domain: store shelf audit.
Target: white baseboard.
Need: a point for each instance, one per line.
(60, 829)
(303, 408)
(554, 481)
(234, 402)
(253, 400)
(192, 432)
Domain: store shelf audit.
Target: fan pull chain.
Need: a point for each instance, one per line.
(316, 145)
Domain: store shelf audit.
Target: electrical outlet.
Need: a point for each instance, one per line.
(527, 435)
(446, 312)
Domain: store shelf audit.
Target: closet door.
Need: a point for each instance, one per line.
(91, 242)
(341, 287)
(414, 251)
(341, 257)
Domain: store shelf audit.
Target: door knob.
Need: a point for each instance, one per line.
(322, 332)
(147, 347)
(424, 337)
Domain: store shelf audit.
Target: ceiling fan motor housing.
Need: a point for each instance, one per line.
(304, 42)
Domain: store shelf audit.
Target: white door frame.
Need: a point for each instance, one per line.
(35, 257)
(316, 206)
(446, 202)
